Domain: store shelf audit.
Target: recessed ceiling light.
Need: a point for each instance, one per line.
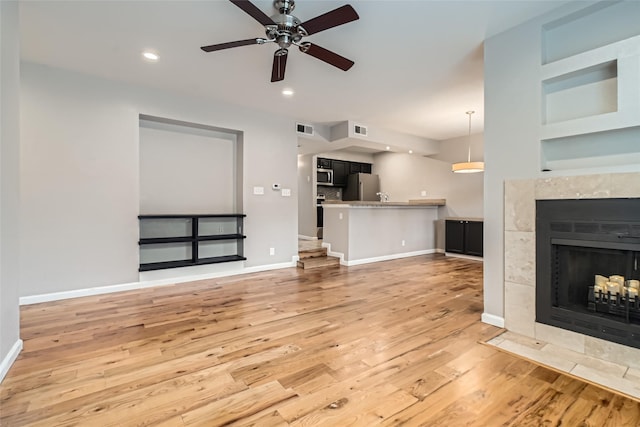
(287, 92)
(388, 148)
(410, 151)
(150, 56)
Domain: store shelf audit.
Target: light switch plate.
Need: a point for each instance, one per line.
(286, 192)
(258, 190)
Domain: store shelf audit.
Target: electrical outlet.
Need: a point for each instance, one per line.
(338, 194)
(272, 251)
(340, 215)
(423, 193)
(403, 243)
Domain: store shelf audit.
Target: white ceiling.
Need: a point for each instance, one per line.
(418, 64)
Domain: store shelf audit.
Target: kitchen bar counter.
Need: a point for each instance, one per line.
(360, 232)
(376, 204)
(463, 218)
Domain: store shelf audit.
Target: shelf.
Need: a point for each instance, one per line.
(157, 240)
(186, 263)
(184, 216)
(589, 107)
(221, 237)
(174, 240)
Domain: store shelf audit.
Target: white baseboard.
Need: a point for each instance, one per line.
(492, 319)
(10, 358)
(374, 259)
(55, 296)
(303, 237)
(389, 257)
(471, 257)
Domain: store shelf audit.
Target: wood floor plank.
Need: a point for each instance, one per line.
(390, 343)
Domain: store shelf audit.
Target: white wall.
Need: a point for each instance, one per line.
(80, 176)
(306, 196)
(349, 156)
(512, 126)
(10, 343)
(456, 150)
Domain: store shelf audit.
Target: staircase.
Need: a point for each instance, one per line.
(317, 258)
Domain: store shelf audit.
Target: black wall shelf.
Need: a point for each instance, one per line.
(171, 241)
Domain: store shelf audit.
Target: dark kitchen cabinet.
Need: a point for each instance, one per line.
(464, 237)
(340, 172)
(356, 167)
(323, 163)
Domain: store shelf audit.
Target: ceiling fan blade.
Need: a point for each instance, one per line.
(336, 17)
(228, 45)
(327, 56)
(279, 65)
(253, 10)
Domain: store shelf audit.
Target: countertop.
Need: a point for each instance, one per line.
(462, 218)
(367, 203)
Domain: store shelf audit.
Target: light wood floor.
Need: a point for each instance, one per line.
(392, 343)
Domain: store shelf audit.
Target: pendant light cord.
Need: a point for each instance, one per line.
(469, 154)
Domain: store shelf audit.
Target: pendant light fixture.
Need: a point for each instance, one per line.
(468, 166)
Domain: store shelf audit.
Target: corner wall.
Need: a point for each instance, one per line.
(513, 75)
(10, 343)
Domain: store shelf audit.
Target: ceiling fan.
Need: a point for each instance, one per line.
(286, 30)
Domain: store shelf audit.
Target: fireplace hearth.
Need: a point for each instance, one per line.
(580, 242)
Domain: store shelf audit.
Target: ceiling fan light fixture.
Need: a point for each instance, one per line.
(468, 166)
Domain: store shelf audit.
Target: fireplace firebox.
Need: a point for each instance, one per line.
(587, 267)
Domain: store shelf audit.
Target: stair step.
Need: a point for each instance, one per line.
(318, 262)
(312, 253)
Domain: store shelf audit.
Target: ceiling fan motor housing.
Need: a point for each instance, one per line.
(286, 31)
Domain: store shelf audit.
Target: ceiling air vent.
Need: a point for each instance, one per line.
(304, 129)
(360, 130)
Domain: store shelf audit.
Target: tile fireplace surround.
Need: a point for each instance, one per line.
(581, 355)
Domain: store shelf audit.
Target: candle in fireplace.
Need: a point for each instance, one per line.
(613, 288)
(618, 279)
(600, 280)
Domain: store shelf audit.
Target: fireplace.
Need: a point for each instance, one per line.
(587, 267)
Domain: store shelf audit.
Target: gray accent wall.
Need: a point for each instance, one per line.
(9, 184)
(186, 170)
(80, 177)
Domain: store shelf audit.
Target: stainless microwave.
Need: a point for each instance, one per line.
(324, 176)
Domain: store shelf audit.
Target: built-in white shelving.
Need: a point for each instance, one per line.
(590, 98)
